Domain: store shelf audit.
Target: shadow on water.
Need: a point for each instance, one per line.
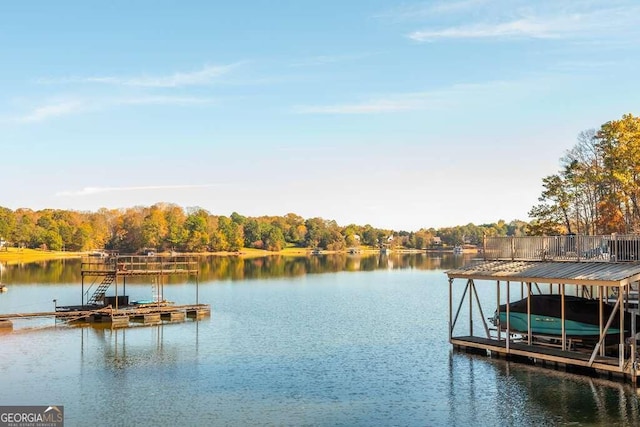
(131, 348)
(521, 394)
(214, 268)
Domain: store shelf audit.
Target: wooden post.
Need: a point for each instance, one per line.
(484, 320)
(529, 340)
(601, 316)
(562, 315)
(484, 245)
(604, 332)
(470, 308)
(513, 249)
(621, 308)
(578, 243)
(450, 307)
(498, 309)
(508, 314)
(633, 347)
(464, 294)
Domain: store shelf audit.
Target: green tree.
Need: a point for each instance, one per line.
(7, 223)
(273, 239)
(198, 238)
(552, 215)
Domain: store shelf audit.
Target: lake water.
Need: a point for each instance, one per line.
(310, 341)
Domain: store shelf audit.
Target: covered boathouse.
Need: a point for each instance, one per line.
(597, 276)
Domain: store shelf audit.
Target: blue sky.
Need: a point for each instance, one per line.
(397, 114)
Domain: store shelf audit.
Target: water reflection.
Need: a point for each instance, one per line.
(357, 348)
(128, 348)
(532, 395)
(239, 268)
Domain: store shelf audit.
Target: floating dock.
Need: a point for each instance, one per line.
(124, 316)
(103, 273)
(602, 269)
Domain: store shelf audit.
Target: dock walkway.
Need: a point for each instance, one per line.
(120, 317)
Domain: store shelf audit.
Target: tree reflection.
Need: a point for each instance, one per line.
(241, 268)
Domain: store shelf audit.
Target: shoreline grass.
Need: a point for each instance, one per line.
(23, 255)
(18, 255)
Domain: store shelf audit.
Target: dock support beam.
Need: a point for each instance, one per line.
(508, 316)
(562, 317)
(529, 338)
(604, 332)
(450, 309)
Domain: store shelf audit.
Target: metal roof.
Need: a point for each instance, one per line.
(578, 273)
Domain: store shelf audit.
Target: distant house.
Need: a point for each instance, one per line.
(436, 241)
(98, 253)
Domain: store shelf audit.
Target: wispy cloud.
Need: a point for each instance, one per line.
(547, 20)
(161, 100)
(539, 28)
(57, 109)
(428, 100)
(518, 28)
(48, 111)
(89, 191)
(205, 76)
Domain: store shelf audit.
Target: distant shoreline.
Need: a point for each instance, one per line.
(17, 256)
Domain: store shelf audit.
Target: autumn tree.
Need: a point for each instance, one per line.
(154, 228)
(598, 187)
(176, 233)
(619, 142)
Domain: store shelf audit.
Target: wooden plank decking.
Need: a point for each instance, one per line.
(540, 352)
(129, 313)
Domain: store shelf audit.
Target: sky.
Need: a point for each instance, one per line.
(398, 114)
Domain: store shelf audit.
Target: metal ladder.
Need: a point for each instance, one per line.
(101, 289)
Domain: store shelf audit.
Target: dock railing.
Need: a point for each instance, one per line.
(140, 264)
(573, 247)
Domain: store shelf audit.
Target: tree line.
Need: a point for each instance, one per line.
(169, 227)
(597, 189)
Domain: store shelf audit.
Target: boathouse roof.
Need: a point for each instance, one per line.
(574, 273)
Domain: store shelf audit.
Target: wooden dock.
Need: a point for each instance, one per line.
(122, 317)
(104, 273)
(539, 354)
(613, 354)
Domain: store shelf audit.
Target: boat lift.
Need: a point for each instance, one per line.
(605, 281)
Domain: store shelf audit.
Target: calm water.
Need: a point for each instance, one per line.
(316, 341)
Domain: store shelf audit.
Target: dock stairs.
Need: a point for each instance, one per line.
(98, 294)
